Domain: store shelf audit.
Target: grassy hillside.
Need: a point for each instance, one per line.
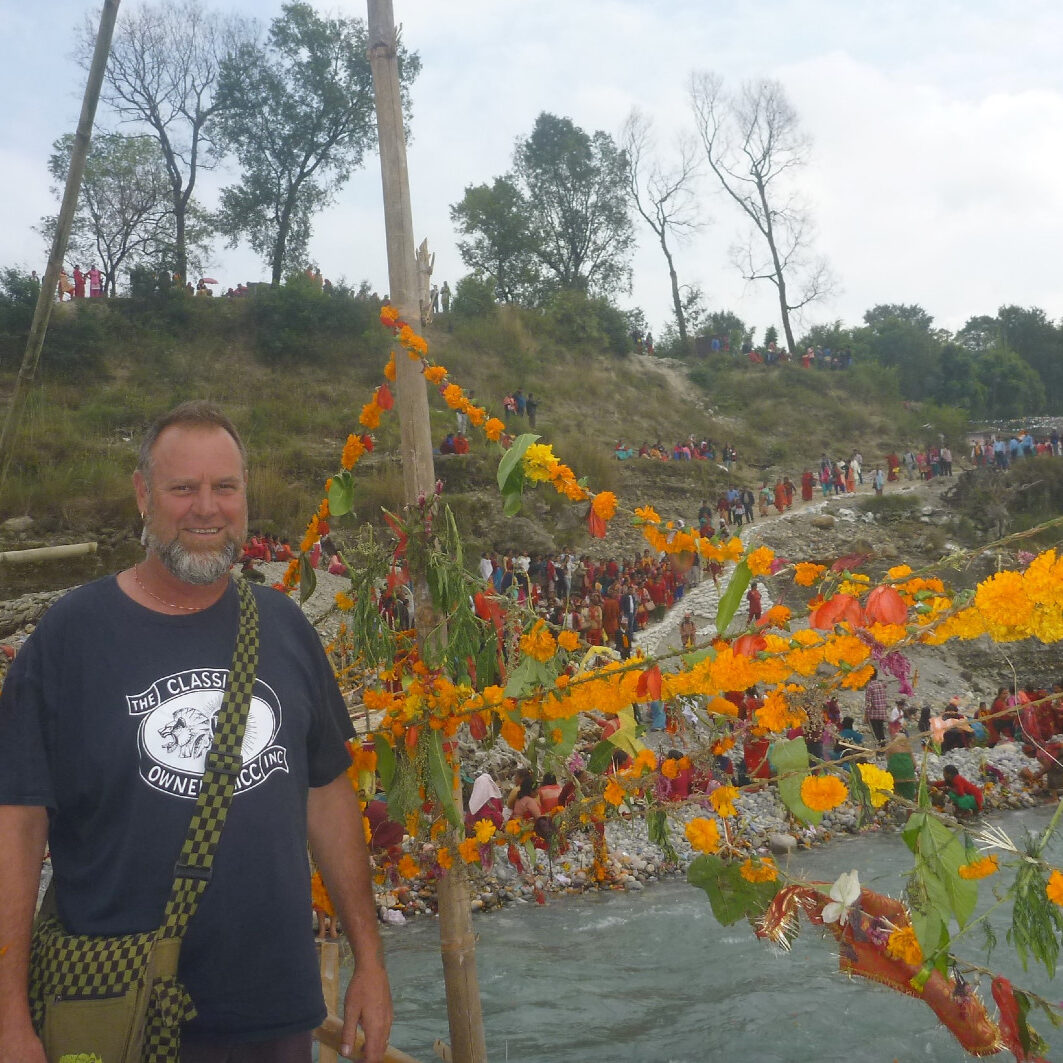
(294, 368)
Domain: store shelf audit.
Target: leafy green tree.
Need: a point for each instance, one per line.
(1013, 387)
(899, 336)
(960, 383)
(1039, 343)
(574, 185)
(298, 112)
(124, 215)
(498, 244)
(161, 74)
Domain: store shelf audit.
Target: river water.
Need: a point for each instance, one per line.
(651, 977)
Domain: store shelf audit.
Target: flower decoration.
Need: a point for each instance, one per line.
(980, 868)
(821, 793)
(703, 834)
(843, 895)
(879, 782)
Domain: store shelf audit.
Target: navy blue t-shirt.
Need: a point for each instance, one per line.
(106, 717)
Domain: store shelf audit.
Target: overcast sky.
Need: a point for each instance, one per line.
(936, 174)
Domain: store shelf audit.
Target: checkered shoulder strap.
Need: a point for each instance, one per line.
(194, 866)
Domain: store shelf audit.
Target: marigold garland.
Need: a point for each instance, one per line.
(981, 868)
(722, 800)
(904, 946)
(879, 783)
(703, 834)
(1054, 888)
(764, 870)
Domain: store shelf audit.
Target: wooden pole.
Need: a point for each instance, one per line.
(329, 960)
(457, 941)
(42, 315)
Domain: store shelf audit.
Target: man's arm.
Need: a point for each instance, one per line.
(337, 841)
(23, 834)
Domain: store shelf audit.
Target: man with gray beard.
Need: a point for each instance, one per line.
(105, 722)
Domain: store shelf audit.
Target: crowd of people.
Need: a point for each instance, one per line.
(688, 449)
(993, 451)
(81, 284)
(517, 404)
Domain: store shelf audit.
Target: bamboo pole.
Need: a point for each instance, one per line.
(43, 313)
(330, 1034)
(329, 961)
(46, 553)
(457, 941)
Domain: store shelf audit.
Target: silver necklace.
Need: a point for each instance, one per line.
(152, 594)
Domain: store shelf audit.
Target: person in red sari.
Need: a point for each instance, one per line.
(808, 485)
(780, 496)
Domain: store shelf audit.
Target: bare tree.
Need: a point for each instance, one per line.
(753, 143)
(663, 195)
(162, 73)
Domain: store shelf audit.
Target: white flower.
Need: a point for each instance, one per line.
(843, 894)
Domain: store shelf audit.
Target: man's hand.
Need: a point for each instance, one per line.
(367, 1004)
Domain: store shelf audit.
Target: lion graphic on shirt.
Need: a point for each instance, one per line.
(190, 733)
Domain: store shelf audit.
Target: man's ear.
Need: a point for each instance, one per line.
(141, 487)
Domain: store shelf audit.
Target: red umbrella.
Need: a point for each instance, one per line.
(209, 280)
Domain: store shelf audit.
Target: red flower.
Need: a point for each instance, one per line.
(749, 645)
(885, 606)
(842, 607)
(383, 397)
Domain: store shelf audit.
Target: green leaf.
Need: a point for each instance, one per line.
(522, 678)
(385, 760)
(600, 757)
(789, 760)
(307, 578)
(509, 467)
(511, 502)
(731, 598)
(441, 777)
(341, 494)
(730, 895)
(569, 729)
(657, 832)
(403, 797)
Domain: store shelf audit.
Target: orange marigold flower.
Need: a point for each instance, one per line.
(452, 395)
(539, 642)
(494, 429)
(806, 573)
(445, 859)
(723, 800)
(723, 707)
(648, 515)
(513, 734)
(389, 314)
(470, 850)
(614, 793)
(777, 616)
(568, 640)
(513, 826)
(435, 374)
(722, 745)
(389, 369)
(604, 504)
(353, 449)
(904, 946)
(981, 868)
(764, 870)
(344, 601)
(319, 897)
(408, 867)
(485, 831)
(645, 761)
(477, 414)
(370, 415)
(821, 793)
(703, 834)
(759, 561)
(670, 768)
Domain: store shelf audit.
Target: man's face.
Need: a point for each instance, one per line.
(195, 503)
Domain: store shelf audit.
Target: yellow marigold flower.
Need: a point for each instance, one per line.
(904, 946)
(858, 678)
(344, 601)
(723, 800)
(777, 616)
(723, 707)
(806, 573)
(775, 714)
(539, 462)
(888, 634)
(764, 870)
(513, 827)
(412, 342)
(1007, 611)
(353, 449)
(408, 867)
(645, 761)
(494, 429)
(703, 834)
(485, 831)
(370, 415)
(470, 850)
(879, 782)
(452, 395)
(604, 504)
(435, 374)
(648, 515)
(899, 572)
(722, 745)
(980, 868)
(568, 640)
(759, 561)
(477, 414)
(821, 793)
(445, 858)
(1043, 580)
(312, 535)
(539, 642)
(614, 793)
(389, 369)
